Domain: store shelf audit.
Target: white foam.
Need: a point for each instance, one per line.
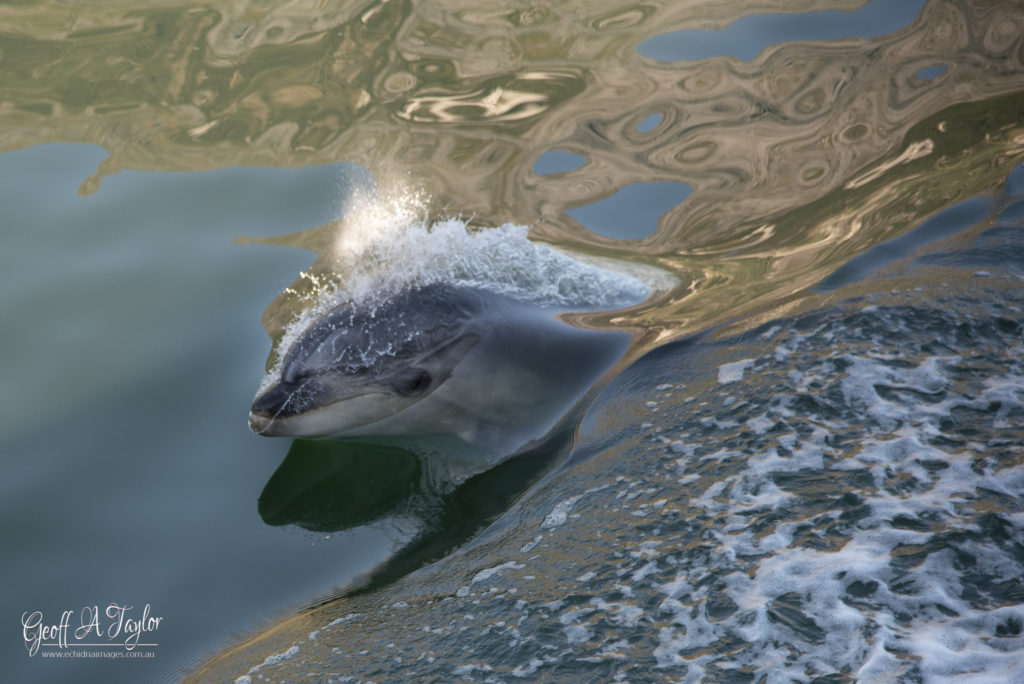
(470, 669)
(530, 545)
(576, 634)
(275, 658)
(485, 575)
(905, 401)
(733, 372)
(560, 513)
(1008, 390)
(346, 618)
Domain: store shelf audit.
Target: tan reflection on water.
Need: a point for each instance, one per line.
(799, 160)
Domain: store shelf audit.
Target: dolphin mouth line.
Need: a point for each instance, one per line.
(259, 423)
(262, 422)
(256, 418)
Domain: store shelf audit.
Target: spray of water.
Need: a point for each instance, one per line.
(387, 244)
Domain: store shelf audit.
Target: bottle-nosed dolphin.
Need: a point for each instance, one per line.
(355, 366)
(435, 360)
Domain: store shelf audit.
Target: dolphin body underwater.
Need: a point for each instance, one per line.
(435, 362)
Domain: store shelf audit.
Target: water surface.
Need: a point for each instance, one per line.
(748, 36)
(129, 474)
(806, 464)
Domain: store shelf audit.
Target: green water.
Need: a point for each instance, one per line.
(132, 349)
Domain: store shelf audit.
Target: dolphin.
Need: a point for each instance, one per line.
(435, 360)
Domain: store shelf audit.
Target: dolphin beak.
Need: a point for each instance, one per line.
(280, 401)
(259, 421)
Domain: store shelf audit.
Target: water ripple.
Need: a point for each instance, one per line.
(460, 101)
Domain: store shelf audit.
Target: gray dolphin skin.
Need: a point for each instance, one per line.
(435, 360)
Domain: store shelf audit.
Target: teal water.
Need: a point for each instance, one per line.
(557, 161)
(132, 333)
(631, 213)
(748, 36)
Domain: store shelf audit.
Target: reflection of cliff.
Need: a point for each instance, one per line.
(798, 159)
(956, 153)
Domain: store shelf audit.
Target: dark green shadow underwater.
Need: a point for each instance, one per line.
(330, 486)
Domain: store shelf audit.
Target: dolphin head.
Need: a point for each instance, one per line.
(358, 365)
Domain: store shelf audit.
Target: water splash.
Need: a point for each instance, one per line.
(387, 245)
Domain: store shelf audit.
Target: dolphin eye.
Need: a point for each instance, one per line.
(416, 382)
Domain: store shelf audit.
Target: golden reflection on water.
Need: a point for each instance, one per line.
(799, 159)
